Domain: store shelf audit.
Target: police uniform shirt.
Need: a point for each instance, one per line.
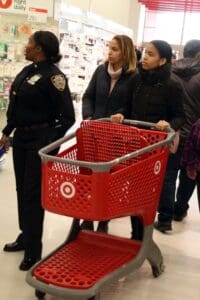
(38, 95)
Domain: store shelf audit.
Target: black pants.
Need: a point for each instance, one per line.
(167, 205)
(27, 167)
(184, 192)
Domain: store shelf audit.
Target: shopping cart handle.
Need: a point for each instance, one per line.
(149, 125)
(106, 165)
(137, 123)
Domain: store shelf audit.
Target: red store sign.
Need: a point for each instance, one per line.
(26, 7)
(5, 3)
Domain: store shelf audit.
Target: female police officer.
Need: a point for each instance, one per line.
(40, 111)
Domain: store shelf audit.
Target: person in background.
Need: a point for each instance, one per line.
(191, 156)
(3, 150)
(173, 57)
(156, 97)
(105, 94)
(40, 111)
(187, 72)
(138, 55)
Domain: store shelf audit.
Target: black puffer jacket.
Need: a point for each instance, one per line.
(187, 72)
(97, 102)
(155, 97)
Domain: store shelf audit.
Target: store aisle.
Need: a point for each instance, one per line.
(181, 252)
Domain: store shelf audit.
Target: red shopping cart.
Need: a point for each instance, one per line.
(107, 171)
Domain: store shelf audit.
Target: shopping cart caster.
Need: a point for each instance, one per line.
(158, 270)
(40, 295)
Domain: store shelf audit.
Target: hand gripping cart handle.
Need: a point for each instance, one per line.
(106, 171)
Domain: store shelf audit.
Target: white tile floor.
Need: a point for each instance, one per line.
(181, 251)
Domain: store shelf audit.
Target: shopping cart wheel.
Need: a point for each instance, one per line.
(40, 295)
(158, 270)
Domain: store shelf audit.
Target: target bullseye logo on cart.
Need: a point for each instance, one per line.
(5, 3)
(157, 167)
(67, 190)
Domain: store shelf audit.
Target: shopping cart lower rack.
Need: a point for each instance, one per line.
(107, 171)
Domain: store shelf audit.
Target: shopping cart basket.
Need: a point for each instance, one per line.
(107, 171)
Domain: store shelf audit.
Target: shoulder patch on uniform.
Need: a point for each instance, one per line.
(59, 81)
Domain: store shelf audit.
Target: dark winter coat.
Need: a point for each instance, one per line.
(97, 102)
(191, 153)
(187, 72)
(155, 97)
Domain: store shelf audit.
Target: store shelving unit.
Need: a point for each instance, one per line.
(82, 53)
(14, 33)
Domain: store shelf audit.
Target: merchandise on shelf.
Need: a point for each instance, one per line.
(5, 84)
(14, 33)
(82, 53)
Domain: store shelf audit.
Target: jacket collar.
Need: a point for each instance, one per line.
(124, 69)
(156, 76)
(40, 64)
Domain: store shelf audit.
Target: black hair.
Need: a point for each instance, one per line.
(192, 48)
(138, 54)
(164, 49)
(49, 44)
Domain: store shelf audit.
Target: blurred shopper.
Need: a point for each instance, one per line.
(173, 57)
(191, 156)
(3, 150)
(40, 111)
(138, 55)
(157, 98)
(106, 91)
(187, 72)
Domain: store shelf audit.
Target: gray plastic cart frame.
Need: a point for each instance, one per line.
(149, 250)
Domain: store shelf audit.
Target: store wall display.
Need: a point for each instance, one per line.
(81, 55)
(5, 84)
(14, 33)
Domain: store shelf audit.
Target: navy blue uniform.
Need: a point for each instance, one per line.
(40, 111)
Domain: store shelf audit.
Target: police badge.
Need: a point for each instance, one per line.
(59, 81)
(32, 80)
